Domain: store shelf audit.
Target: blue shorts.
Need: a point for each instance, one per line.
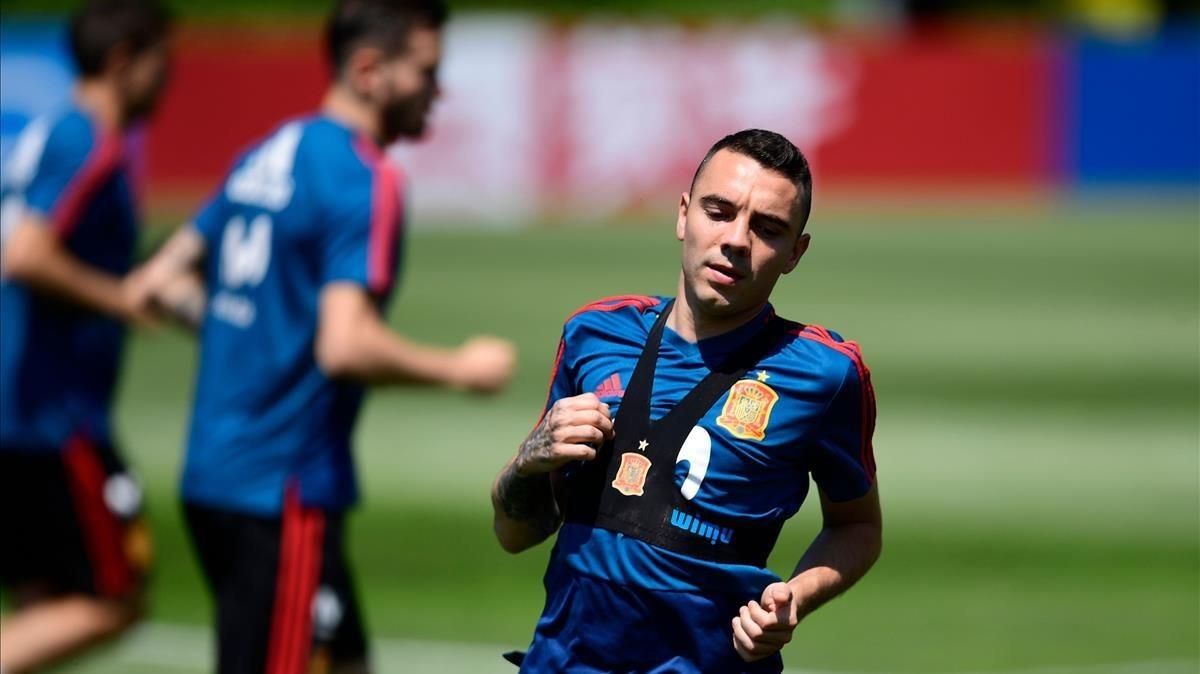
(593, 626)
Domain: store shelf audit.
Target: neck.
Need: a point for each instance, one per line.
(342, 105)
(98, 98)
(689, 320)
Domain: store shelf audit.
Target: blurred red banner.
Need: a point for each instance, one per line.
(600, 119)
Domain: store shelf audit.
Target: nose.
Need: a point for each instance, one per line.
(736, 237)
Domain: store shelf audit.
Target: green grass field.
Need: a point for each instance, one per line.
(1037, 443)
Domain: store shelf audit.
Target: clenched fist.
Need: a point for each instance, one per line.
(761, 629)
(484, 364)
(571, 431)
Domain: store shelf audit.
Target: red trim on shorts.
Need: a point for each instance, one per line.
(302, 535)
(850, 349)
(386, 207)
(101, 161)
(112, 573)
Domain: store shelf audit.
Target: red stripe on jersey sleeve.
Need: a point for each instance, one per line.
(852, 351)
(562, 345)
(386, 209)
(606, 304)
(103, 159)
(642, 302)
(385, 227)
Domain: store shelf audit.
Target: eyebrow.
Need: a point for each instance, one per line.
(775, 219)
(713, 200)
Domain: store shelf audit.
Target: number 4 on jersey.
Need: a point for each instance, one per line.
(245, 251)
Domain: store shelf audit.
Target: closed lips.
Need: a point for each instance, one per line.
(726, 270)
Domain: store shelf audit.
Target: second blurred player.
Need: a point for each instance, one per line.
(298, 252)
(76, 550)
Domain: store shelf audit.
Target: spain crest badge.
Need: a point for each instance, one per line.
(747, 411)
(631, 476)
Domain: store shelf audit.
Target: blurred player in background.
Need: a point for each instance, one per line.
(75, 547)
(299, 251)
(722, 410)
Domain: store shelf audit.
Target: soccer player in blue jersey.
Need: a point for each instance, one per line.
(678, 436)
(75, 548)
(298, 251)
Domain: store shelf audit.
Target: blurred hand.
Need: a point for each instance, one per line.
(763, 629)
(169, 282)
(141, 289)
(137, 287)
(571, 431)
(137, 300)
(183, 297)
(484, 364)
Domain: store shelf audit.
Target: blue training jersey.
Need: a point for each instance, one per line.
(59, 361)
(313, 204)
(617, 604)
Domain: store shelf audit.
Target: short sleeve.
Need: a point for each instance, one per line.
(212, 216)
(216, 212)
(844, 465)
(562, 384)
(348, 240)
(73, 167)
(362, 238)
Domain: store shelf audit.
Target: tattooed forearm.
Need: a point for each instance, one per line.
(530, 498)
(537, 448)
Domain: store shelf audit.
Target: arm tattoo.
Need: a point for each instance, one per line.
(530, 498)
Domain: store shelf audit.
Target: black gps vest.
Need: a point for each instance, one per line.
(630, 487)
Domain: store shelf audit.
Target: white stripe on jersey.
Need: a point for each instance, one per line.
(18, 172)
(266, 178)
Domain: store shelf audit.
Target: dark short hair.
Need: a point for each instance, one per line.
(772, 151)
(380, 23)
(100, 25)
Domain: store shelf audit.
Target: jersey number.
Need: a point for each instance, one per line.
(245, 251)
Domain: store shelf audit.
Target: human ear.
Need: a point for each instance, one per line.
(363, 71)
(798, 250)
(681, 219)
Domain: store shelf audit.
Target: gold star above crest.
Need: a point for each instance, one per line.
(763, 376)
(642, 445)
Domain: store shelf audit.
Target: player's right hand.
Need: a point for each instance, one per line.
(137, 288)
(484, 364)
(137, 308)
(572, 429)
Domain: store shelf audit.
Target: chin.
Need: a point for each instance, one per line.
(713, 300)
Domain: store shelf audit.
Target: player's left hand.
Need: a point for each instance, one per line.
(762, 629)
(484, 364)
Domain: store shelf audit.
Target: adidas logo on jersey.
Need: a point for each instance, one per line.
(266, 177)
(610, 387)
